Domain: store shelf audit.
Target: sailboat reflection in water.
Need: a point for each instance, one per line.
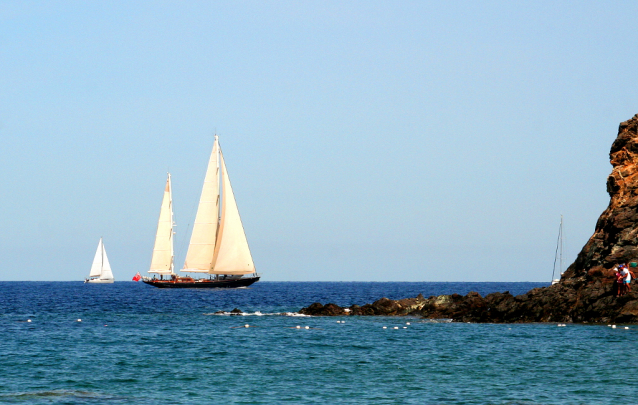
(218, 245)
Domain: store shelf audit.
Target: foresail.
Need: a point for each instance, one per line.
(96, 267)
(162, 260)
(107, 274)
(202, 244)
(232, 255)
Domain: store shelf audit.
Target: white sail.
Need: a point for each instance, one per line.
(96, 267)
(101, 267)
(162, 260)
(232, 255)
(106, 274)
(202, 245)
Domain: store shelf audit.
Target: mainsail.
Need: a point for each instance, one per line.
(218, 244)
(101, 267)
(162, 261)
(202, 245)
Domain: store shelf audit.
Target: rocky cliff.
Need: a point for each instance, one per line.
(586, 291)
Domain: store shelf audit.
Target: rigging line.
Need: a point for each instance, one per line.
(560, 230)
(562, 245)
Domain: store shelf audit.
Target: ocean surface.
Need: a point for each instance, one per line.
(137, 344)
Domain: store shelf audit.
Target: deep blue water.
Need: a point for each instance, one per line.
(141, 345)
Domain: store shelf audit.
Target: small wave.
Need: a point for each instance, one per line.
(66, 394)
(297, 314)
(257, 313)
(437, 321)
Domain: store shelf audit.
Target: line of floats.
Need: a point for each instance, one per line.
(341, 322)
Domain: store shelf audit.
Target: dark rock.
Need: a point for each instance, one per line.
(323, 310)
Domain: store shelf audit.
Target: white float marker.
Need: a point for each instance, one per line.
(307, 327)
(626, 327)
(407, 323)
(246, 326)
(298, 327)
(613, 326)
(28, 320)
(385, 327)
(396, 327)
(79, 320)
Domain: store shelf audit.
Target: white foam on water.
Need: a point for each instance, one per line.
(256, 313)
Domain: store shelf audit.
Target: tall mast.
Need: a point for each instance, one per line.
(558, 255)
(561, 244)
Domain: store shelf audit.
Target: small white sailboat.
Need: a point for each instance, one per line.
(218, 245)
(101, 269)
(558, 256)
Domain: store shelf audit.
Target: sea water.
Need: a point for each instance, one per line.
(129, 343)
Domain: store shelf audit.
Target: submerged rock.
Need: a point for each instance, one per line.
(586, 291)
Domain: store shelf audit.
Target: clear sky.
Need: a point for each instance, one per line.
(366, 140)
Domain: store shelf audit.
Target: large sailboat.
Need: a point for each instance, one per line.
(218, 245)
(100, 269)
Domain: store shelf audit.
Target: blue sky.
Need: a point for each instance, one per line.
(366, 140)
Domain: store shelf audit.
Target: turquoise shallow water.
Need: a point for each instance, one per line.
(141, 345)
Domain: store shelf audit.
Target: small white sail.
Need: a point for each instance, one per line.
(107, 274)
(202, 244)
(232, 255)
(162, 260)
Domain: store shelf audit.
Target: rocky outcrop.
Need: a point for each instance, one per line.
(615, 238)
(586, 291)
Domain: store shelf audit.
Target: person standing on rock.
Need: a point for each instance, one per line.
(620, 281)
(627, 279)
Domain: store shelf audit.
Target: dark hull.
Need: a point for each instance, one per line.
(203, 283)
